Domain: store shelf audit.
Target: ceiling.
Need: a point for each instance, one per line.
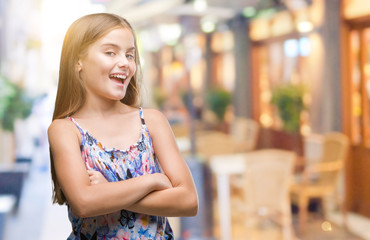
(144, 12)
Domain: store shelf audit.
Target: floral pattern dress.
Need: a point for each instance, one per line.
(118, 165)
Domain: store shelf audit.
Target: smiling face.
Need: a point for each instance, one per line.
(108, 66)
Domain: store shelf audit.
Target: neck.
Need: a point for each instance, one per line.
(100, 109)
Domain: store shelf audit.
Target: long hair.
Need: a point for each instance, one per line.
(71, 94)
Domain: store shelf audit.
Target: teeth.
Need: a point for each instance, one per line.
(119, 76)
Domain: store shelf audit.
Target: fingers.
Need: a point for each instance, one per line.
(91, 172)
(93, 182)
(93, 176)
(96, 177)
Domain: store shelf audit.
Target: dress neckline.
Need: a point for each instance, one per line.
(90, 137)
(114, 149)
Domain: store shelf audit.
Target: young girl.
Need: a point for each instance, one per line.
(116, 166)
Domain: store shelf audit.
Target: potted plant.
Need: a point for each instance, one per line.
(218, 100)
(288, 99)
(14, 104)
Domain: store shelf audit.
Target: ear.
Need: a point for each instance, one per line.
(78, 66)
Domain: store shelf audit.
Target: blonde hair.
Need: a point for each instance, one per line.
(71, 94)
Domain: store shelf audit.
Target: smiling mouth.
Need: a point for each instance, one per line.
(120, 78)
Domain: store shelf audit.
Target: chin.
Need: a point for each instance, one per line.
(118, 96)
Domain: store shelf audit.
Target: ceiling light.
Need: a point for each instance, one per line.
(208, 27)
(200, 5)
(170, 33)
(305, 26)
(208, 24)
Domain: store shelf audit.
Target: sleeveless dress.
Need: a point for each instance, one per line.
(118, 165)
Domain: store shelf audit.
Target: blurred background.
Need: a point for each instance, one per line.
(269, 101)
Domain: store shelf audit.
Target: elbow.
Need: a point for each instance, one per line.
(81, 212)
(191, 206)
(195, 206)
(82, 208)
(193, 209)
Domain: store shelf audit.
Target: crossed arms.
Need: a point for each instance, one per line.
(169, 194)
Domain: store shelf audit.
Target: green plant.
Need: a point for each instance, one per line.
(288, 99)
(218, 100)
(14, 104)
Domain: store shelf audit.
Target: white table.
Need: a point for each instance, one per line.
(223, 166)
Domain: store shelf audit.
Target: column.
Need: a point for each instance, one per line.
(330, 117)
(243, 78)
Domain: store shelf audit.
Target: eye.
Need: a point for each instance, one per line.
(110, 53)
(130, 56)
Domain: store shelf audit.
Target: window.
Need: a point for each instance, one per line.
(277, 62)
(360, 85)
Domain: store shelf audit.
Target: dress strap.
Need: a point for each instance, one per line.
(77, 125)
(142, 116)
(145, 133)
(81, 131)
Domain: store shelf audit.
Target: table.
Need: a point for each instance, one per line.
(223, 166)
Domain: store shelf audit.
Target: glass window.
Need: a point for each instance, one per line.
(356, 87)
(279, 62)
(360, 85)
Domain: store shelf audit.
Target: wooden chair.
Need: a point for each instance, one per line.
(267, 179)
(320, 178)
(312, 148)
(213, 143)
(244, 132)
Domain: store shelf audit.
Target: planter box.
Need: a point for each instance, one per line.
(272, 138)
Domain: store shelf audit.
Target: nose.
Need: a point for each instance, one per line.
(123, 61)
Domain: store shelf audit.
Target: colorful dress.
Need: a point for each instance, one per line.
(118, 165)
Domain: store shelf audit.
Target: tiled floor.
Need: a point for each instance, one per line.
(316, 229)
(38, 219)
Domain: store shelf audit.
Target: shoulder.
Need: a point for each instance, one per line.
(62, 127)
(153, 115)
(60, 124)
(154, 119)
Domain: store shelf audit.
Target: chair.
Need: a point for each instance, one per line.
(320, 178)
(213, 143)
(312, 148)
(266, 200)
(245, 132)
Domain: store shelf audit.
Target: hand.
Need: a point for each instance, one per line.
(163, 181)
(96, 177)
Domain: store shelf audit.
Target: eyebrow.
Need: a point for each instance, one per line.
(116, 46)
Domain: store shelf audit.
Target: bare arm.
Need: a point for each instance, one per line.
(93, 199)
(181, 199)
